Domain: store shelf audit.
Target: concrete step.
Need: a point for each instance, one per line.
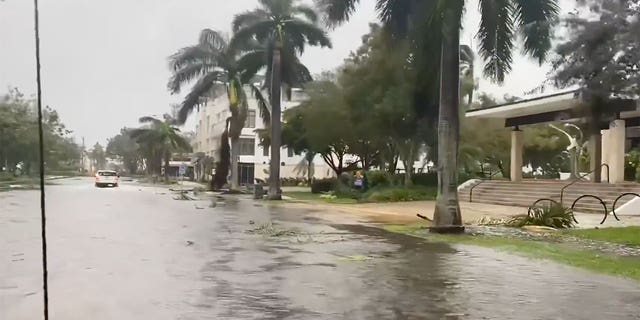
(525, 193)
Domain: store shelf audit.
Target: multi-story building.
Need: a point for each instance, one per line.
(254, 158)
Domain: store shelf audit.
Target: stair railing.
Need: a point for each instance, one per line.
(479, 183)
(580, 179)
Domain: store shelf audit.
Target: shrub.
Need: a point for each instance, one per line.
(427, 179)
(345, 191)
(293, 182)
(555, 216)
(378, 178)
(323, 185)
(396, 194)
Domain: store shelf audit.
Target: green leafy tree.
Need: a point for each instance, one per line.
(216, 69)
(500, 23)
(125, 149)
(19, 139)
(98, 157)
(286, 28)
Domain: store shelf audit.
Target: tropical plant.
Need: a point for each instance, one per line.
(161, 138)
(125, 149)
(468, 84)
(286, 28)
(553, 215)
(218, 68)
(224, 160)
(500, 22)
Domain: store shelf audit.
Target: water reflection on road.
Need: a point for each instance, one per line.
(138, 254)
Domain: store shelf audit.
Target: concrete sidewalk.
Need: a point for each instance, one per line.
(472, 213)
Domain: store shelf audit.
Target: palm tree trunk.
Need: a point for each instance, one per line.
(447, 217)
(596, 156)
(274, 167)
(407, 161)
(235, 153)
(167, 158)
(310, 156)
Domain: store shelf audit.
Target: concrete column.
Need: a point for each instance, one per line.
(616, 150)
(606, 137)
(516, 154)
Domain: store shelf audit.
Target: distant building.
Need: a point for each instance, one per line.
(254, 159)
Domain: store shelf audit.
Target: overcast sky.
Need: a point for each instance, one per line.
(104, 62)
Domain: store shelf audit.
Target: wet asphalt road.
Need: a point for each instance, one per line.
(135, 253)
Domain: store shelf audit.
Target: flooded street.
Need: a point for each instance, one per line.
(135, 253)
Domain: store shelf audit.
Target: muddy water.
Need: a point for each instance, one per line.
(135, 253)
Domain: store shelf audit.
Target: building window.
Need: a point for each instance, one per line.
(265, 151)
(247, 146)
(250, 122)
(289, 152)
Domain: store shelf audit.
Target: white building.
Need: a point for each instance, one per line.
(254, 159)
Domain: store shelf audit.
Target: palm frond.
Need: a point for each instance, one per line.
(496, 37)
(180, 143)
(197, 94)
(187, 74)
(190, 55)
(307, 11)
(396, 15)
(263, 105)
(277, 8)
(259, 31)
(535, 19)
(149, 119)
(248, 18)
(213, 40)
(250, 63)
(337, 11)
(466, 54)
(313, 34)
(143, 135)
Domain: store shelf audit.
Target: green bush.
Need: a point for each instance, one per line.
(7, 176)
(397, 194)
(555, 216)
(344, 191)
(378, 178)
(323, 185)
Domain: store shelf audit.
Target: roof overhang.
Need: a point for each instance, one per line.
(550, 107)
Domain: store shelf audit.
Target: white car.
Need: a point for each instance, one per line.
(105, 178)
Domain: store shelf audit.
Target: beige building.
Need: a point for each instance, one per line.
(254, 159)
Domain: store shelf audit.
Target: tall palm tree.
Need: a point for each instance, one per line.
(162, 138)
(286, 27)
(213, 64)
(467, 83)
(501, 20)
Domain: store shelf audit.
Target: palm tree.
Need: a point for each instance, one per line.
(217, 66)
(468, 82)
(500, 22)
(286, 28)
(162, 138)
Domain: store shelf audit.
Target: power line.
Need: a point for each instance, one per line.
(45, 276)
